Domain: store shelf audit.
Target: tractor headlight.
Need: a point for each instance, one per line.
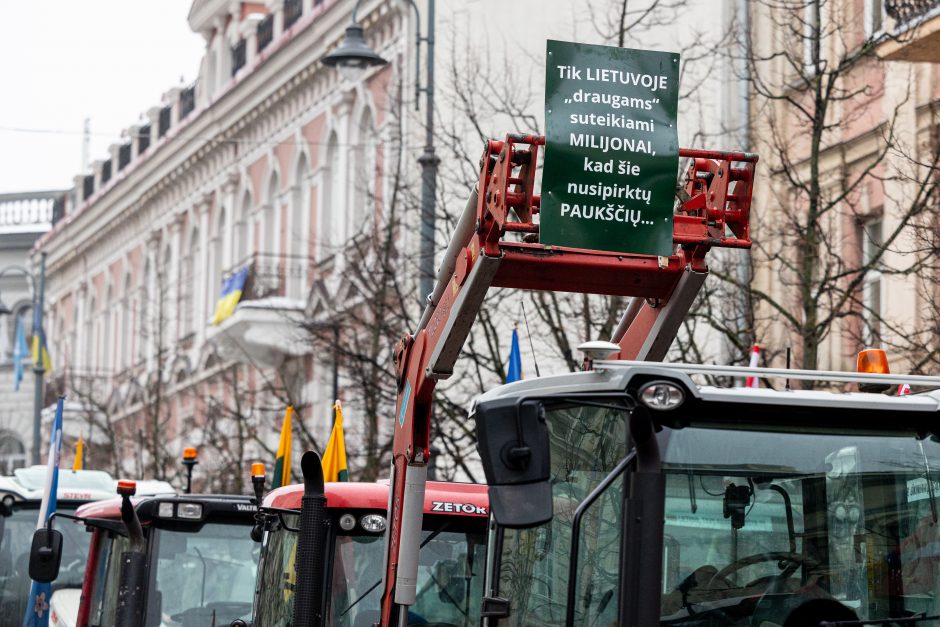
(662, 395)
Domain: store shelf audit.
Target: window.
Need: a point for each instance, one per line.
(332, 198)
(12, 453)
(242, 245)
(107, 328)
(297, 232)
(89, 357)
(874, 17)
(143, 312)
(812, 35)
(127, 323)
(363, 192)
(872, 243)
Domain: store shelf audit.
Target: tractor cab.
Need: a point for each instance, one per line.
(20, 500)
(632, 495)
(168, 561)
(450, 574)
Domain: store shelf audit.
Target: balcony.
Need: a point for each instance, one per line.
(267, 326)
(916, 33)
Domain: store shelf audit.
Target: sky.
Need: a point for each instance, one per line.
(67, 60)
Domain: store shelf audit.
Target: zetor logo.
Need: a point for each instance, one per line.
(457, 508)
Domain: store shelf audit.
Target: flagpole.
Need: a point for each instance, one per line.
(38, 366)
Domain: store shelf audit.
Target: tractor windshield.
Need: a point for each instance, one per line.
(17, 538)
(450, 575)
(781, 526)
(203, 578)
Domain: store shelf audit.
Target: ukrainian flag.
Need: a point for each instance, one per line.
(282, 465)
(334, 458)
(231, 294)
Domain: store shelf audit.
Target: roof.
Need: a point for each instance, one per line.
(845, 409)
(441, 497)
(27, 484)
(111, 509)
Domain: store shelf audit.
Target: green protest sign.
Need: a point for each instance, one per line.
(611, 148)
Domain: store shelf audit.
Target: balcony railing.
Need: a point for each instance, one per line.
(271, 275)
(905, 11)
(292, 12)
(915, 33)
(239, 55)
(265, 32)
(30, 211)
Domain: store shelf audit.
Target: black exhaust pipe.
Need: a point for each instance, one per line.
(133, 582)
(309, 586)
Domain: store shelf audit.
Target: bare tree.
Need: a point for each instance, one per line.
(831, 214)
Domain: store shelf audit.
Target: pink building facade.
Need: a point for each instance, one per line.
(270, 160)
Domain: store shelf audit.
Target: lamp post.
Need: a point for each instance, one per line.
(38, 366)
(351, 58)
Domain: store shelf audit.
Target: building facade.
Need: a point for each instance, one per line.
(844, 116)
(270, 161)
(277, 163)
(24, 217)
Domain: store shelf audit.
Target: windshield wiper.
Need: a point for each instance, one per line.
(376, 584)
(901, 620)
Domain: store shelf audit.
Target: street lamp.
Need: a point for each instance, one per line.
(351, 58)
(38, 369)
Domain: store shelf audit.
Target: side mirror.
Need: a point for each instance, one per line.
(45, 555)
(512, 437)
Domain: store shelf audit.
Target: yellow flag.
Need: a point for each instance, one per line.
(334, 458)
(282, 465)
(79, 462)
(39, 346)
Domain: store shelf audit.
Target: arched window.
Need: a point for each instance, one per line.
(297, 232)
(127, 323)
(74, 335)
(143, 312)
(219, 263)
(106, 322)
(363, 181)
(270, 218)
(242, 246)
(189, 282)
(330, 212)
(90, 359)
(12, 453)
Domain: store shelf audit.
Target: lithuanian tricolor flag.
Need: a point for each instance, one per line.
(334, 458)
(282, 465)
(231, 293)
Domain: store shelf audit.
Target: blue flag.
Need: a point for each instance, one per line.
(514, 372)
(20, 352)
(40, 594)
